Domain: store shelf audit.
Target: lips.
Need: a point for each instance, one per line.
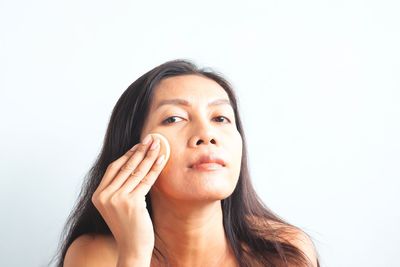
(208, 161)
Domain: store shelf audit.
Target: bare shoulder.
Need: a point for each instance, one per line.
(290, 234)
(92, 250)
(300, 240)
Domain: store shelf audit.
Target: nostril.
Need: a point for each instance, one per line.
(212, 141)
(200, 141)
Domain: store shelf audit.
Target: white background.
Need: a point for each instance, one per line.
(319, 91)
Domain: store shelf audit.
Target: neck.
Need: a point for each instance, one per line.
(191, 234)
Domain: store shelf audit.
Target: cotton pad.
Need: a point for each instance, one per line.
(164, 145)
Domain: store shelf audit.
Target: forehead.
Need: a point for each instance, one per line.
(193, 88)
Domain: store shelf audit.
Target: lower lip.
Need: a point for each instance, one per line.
(207, 167)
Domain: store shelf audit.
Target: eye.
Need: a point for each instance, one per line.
(174, 119)
(222, 119)
(170, 120)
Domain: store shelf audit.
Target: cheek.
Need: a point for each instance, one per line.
(172, 172)
(172, 181)
(236, 157)
(235, 150)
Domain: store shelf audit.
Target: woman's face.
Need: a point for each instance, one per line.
(194, 114)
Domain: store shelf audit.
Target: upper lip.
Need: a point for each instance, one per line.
(208, 158)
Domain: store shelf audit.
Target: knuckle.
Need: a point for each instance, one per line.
(94, 199)
(150, 156)
(152, 173)
(146, 181)
(137, 174)
(156, 169)
(142, 148)
(127, 167)
(112, 165)
(115, 200)
(153, 152)
(100, 199)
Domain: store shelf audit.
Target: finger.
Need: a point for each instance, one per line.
(115, 166)
(129, 167)
(143, 168)
(145, 184)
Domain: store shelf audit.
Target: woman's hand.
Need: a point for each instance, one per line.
(120, 199)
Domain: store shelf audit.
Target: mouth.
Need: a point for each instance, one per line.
(207, 166)
(208, 162)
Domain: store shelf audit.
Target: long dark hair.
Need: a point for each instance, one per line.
(247, 221)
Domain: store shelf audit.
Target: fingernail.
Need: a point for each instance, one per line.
(160, 159)
(147, 140)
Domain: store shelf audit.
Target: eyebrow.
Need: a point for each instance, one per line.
(183, 102)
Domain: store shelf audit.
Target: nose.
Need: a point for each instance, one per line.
(204, 135)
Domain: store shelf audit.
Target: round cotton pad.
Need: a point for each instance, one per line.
(164, 145)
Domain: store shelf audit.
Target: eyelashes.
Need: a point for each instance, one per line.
(168, 120)
(171, 119)
(225, 118)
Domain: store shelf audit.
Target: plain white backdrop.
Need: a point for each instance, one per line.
(319, 93)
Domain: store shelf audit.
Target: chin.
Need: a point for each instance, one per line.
(196, 193)
(208, 196)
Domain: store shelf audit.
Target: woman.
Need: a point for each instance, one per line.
(198, 208)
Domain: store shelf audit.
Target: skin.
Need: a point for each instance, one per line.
(187, 215)
(186, 202)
